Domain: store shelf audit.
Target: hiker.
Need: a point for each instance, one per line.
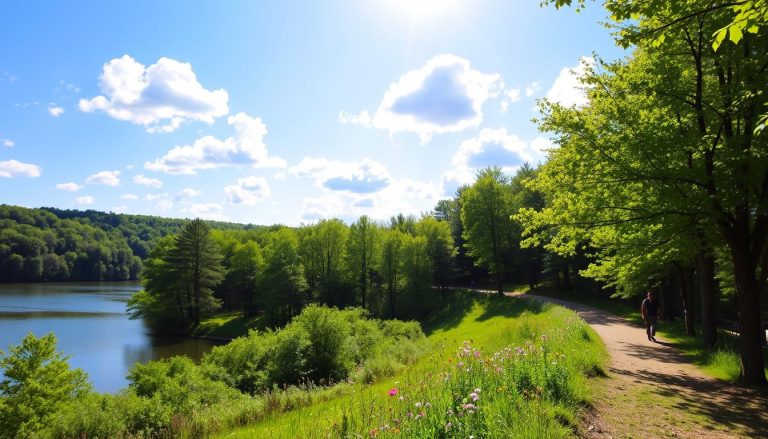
(650, 312)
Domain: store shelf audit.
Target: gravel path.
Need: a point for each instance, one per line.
(653, 391)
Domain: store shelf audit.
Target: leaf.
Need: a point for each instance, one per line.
(753, 29)
(735, 34)
(719, 37)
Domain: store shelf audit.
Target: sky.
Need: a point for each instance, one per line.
(278, 112)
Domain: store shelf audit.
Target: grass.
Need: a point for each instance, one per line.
(495, 367)
(721, 363)
(227, 325)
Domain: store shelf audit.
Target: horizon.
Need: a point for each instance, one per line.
(184, 111)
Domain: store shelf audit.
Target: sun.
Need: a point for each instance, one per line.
(423, 9)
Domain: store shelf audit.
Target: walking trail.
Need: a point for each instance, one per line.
(653, 391)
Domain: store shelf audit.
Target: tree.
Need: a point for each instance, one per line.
(323, 246)
(439, 248)
(677, 122)
(283, 282)
(362, 250)
(485, 215)
(245, 267)
(36, 382)
(196, 259)
(391, 265)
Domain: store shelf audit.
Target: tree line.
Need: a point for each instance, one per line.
(47, 244)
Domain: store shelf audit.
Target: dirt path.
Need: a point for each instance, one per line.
(653, 391)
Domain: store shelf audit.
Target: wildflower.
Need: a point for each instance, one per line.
(417, 405)
(461, 364)
(468, 406)
(374, 432)
(401, 398)
(477, 390)
(477, 354)
(427, 405)
(393, 391)
(474, 396)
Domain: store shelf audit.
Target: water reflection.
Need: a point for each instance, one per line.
(91, 325)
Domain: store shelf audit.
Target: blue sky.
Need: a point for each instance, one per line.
(277, 112)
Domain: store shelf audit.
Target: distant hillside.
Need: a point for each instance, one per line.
(50, 244)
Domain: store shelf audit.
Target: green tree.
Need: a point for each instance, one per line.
(36, 382)
(440, 249)
(677, 122)
(391, 263)
(196, 259)
(485, 215)
(283, 282)
(362, 250)
(243, 276)
(323, 246)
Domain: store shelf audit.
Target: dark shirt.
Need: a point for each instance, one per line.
(651, 308)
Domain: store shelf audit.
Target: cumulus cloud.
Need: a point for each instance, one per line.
(153, 197)
(245, 148)
(120, 209)
(146, 181)
(107, 178)
(532, 88)
(160, 97)
(85, 200)
(567, 90)
(14, 168)
(131, 197)
(71, 187)
(210, 211)
(364, 176)
(55, 110)
(164, 204)
(510, 95)
(248, 191)
(400, 196)
(187, 193)
(8, 142)
(445, 95)
(492, 148)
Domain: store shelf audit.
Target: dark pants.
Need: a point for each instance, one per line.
(650, 326)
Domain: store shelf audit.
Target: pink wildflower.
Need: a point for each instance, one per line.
(393, 391)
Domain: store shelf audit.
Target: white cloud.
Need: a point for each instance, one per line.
(187, 193)
(248, 191)
(160, 97)
(120, 209)
(492, 148)
(164, 204)
(72, 187)
(146, 181)
(107, 178)
(567, 90)
(532, 88)
(364, 176)
(84, 201)
(245, 148)
(210, 211)
(131, 197)
(55, 110)
(445, 95)
(510, 95)
(401, 196)
(14, 168)
(153, 197)
(8, 142)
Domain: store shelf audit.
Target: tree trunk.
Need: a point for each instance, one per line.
(567, 275)
(705, 265)
(685, 276)
(751, 333)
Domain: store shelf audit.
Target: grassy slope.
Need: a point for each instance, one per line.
(722, 363)
(491, 323)
(227, 325)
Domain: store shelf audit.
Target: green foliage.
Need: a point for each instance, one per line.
(319, 345)
(36, 382)
(179, 280)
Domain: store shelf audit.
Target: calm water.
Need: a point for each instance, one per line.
(91, 325)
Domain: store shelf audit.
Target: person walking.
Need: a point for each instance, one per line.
(650, 312)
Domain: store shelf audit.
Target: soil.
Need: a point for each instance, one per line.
(653, 391)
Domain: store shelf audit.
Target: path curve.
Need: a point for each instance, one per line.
(654, 391)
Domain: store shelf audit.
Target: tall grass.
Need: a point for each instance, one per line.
(496, 367)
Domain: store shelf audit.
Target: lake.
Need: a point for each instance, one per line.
(91, 325)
